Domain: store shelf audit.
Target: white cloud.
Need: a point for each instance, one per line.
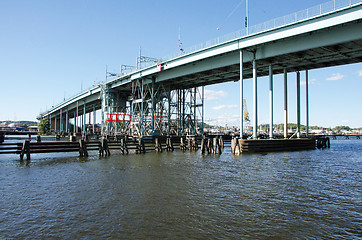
(360, 73)
(221, 120)
(225, 107)
(335, 77)
(211, 95)
(311, 81)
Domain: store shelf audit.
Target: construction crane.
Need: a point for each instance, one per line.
(245, 111)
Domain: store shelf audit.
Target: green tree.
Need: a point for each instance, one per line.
(44, 126)
(339, 128)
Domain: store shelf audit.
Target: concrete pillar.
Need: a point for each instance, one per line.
(241, 95)
(61, 120)
(94, 118)
(66, 121)
(271, 101)
(285, 103)
(55, 124)
(50, 122)
(84, 117)
(307, 102)
(298, 104)
(89, 118)
(104, 109)
(255, 92)
(76, 119)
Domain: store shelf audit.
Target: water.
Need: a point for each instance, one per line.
(287, 195)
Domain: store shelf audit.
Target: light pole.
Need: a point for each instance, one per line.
(247, 17)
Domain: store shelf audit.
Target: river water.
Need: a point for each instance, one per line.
(285, 195)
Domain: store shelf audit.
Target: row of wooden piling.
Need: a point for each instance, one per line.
(323, 142)
(207, 145)
(212, 145)
(141, 145)
(122, 143)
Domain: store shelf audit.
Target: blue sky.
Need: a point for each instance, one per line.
(50, 50)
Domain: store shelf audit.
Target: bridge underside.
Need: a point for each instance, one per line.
(334, 46)
(319, 57)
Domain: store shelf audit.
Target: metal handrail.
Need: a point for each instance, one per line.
(312, 12)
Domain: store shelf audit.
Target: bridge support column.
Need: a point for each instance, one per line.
(50, 122)
(114, 111)
(61, 120)
(55, 125)
(156, 110)
(271, 100)
(241, 95)
(255, 93)
(89, 119)
(202, 113)
(76, 119)
(298, 104)
(285, 103)
(67, 121)
(193, 110)
(104, 109)
(307, 102)
(94, 118)
(84, 117)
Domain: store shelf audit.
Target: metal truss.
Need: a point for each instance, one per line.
(115, 112)
(187, 111)
(156, 110)
(152, 109)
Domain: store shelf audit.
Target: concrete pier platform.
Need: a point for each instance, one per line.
(274, 145)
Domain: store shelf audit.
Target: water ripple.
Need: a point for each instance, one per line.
(287, 195)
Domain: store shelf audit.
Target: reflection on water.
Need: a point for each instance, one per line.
(287, 195)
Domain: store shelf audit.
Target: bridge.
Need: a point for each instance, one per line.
(165, 96)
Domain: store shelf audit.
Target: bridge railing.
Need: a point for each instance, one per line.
(302, 15)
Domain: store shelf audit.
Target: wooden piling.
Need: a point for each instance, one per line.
(169, 145)
(72, 138)
(83, 152)
(124, 148)
(235, 146)
(158, 146)
(215, 144)
(140, 146)
(203, 146)
(209, 146)
(221, 142)
(194, 144)
(182, 144)
(25, 150)
(189, 146)
(103, 148)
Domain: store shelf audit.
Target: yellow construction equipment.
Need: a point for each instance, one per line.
(245, 111)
